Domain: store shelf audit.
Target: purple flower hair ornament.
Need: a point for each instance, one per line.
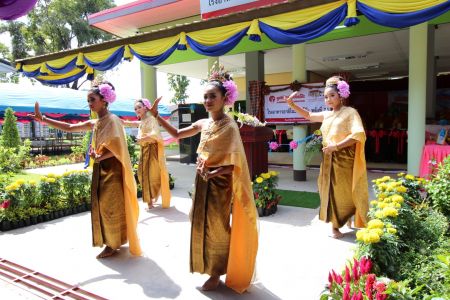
(232, 91)
(146, 103)
(273, 146)
(293, 145)
(107, 92)
(343, 89)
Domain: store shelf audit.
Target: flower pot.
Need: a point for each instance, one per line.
(260, 211)
(33, 220)
(139, 194)
(5, 225)
(26, 222)
(267, 212)
(171, 185)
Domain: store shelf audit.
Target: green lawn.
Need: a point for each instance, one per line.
(27, 177)
(299, 199)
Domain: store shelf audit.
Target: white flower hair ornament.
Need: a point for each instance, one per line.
(343, 89)
(107, 92)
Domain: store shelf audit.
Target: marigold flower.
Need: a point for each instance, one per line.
(410, 177)
(390, 212)
(392, 230)
(259, 180)
(375, 223)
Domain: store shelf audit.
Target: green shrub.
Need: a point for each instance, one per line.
(76, 186)
(134, 156)
(10, 133)
(438, 188)
(81, 150)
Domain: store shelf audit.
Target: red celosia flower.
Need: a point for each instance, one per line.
(339, 279)
(369, 285)
(5, 204)
(347, 275)
(346, 295)
(355, 272)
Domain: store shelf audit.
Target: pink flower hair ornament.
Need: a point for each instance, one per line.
(273, 146)
(232, 91)
(343, 89)
(146, 103)
(107, 92)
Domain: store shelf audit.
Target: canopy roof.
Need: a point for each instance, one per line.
(60, 100)
(285, 24)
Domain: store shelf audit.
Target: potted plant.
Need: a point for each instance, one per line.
(264, 192)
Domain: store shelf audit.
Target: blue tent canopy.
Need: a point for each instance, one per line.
(60, 100)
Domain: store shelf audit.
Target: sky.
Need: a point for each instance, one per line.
(126, 76)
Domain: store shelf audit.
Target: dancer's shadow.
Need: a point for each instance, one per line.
(256, 291)
(170, 215)
(141, 271)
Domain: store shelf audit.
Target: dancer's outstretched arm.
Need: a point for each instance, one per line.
(176, 133)
(82, 126)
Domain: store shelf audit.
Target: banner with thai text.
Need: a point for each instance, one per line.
(216, 8)
(276, 110)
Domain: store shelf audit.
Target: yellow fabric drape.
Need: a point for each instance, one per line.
(30, 68)
(109, 134)
(53, 76)
(102, 55)
(154, 48)
(301, 17)
(213, 36)
(336, 127)
(222, 146)
(61, 62)
(149, 126)
(351, 10)
(403, 6)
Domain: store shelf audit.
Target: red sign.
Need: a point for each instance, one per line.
(216, 8)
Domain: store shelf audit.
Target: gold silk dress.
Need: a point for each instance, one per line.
(115, 208)
(152, 171)
(218, 245)
(342, 179)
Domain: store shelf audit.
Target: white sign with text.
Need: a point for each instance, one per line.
(310, 97)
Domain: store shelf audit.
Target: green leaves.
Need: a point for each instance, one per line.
(178, 84)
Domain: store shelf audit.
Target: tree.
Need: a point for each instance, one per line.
(179, 84)
(10, 134)
(5, 57)
(55, 25)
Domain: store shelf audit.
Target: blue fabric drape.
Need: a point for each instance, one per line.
(67, 68)
(154, 60)
(402, 20)
(35, 73)
(63, 80)
(219, 49)
(306, 32)
(109, 63)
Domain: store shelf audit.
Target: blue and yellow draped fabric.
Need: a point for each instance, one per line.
(288, 28)
(400, 14)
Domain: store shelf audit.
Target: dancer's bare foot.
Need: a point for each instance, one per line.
(107, 252)
(336, 234)
(211, 284)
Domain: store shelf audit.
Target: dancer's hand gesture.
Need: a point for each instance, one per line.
(37, 113)
(154, 108)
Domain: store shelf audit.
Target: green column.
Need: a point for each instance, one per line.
(417, 93)
(148, 82)
(299, 131)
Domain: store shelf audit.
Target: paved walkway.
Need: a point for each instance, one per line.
(295, 253)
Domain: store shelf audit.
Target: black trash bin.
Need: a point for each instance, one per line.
(188, 114)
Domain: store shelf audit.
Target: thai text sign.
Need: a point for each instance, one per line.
(216, 8)
(310, 97)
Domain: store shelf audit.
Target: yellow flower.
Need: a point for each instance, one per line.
(401, 174)
(265, 187)
(373, 202)
(265, 175)
(51, 175)
(392, 230)
(390, 212)
(32, 182)
(273, 173)
(375, 223)
(410, 177)
(382, 186)
(259, 180)
(51, 180)
(378, 231)
(397, 198)
(371, 237)
(20, 181)
(402, 189)
(360, 234)
(379, 214)
(382, 205)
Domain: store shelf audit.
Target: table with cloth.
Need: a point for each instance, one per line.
(430, 152)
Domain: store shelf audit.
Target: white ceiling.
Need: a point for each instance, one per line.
(382, 55)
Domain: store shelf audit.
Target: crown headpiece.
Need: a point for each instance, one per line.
(218, 73)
